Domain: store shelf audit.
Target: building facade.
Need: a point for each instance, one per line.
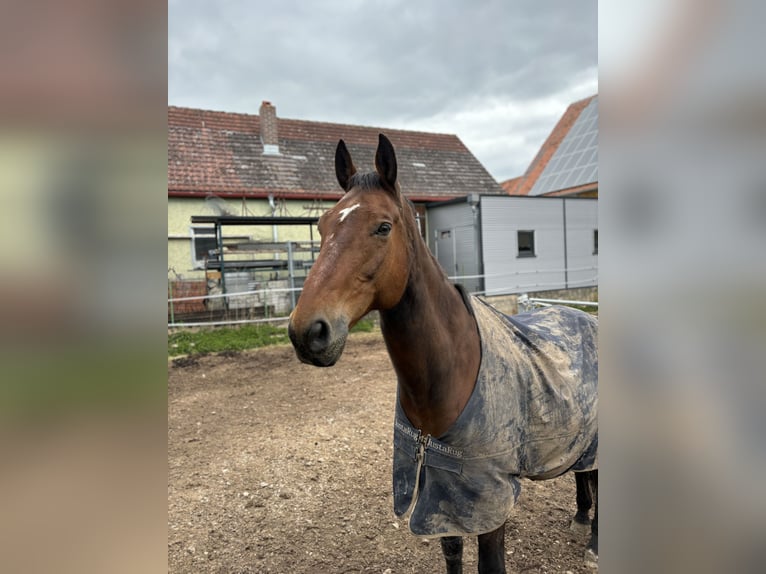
(504, 245)
(261, 165)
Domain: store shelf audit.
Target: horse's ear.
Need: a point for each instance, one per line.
(344, 167)
(385, 162)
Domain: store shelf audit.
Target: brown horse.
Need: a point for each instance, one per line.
(373, 257)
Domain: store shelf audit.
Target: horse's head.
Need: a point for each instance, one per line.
(364, 259)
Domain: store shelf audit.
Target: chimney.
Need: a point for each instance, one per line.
(269, 136)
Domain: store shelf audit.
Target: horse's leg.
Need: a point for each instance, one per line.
(591, 551)
(452, 548)
(492, 552)
(581, 520)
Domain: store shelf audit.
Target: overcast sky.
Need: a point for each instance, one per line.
(497, 73)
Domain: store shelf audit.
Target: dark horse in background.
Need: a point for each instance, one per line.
(482, 399)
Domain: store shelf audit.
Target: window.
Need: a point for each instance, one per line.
(595, 242)
(203, 240)
(526, 243)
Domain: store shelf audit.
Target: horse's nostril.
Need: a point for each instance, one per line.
(319, 336)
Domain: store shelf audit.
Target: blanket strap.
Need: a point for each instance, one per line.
(431, 451)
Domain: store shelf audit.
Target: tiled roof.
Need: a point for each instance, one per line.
(509, 185)
(543, 164)
(222, 153)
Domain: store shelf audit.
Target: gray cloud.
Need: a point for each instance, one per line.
(391, 64)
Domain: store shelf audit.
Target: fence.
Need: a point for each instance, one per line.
(528, 280)
(267, 305)
(527, 303)
(237, 308)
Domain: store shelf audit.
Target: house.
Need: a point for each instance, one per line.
(567, 162)
(237, 164)
(248, 189)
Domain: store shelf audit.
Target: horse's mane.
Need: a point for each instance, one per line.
(413, 233)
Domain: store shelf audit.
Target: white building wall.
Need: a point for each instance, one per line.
(582, 262)
(505, 271)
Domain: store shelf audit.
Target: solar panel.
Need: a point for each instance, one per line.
(576, 159)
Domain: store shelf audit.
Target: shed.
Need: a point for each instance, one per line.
(498, 245)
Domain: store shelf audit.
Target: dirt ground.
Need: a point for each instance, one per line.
(276, 466)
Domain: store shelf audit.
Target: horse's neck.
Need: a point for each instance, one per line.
(434, 347)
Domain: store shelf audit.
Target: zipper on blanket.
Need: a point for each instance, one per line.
(422, 445)
(419, 457)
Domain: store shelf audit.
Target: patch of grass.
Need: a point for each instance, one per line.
(364, 325)
(233, 339)
(587, 308)
(222, 339)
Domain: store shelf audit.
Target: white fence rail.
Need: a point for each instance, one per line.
(527, 303)
(237, 308)
(227, 308)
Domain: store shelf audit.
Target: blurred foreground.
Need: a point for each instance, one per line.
(683, 214)
(82, 335)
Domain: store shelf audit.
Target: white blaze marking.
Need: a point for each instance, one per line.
(344, 212)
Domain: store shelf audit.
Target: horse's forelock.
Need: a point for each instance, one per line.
(369, 180)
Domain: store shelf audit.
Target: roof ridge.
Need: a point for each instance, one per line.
(216, 150)
(586, 100)
(313, 122)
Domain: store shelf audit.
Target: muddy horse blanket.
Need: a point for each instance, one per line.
(532, 414)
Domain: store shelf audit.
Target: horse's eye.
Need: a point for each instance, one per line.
(383, 229)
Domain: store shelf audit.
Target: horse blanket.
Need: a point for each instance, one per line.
(532, 414)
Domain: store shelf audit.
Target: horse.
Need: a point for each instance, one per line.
(483, 399)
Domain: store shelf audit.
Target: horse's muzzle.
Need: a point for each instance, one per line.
(321, 343)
